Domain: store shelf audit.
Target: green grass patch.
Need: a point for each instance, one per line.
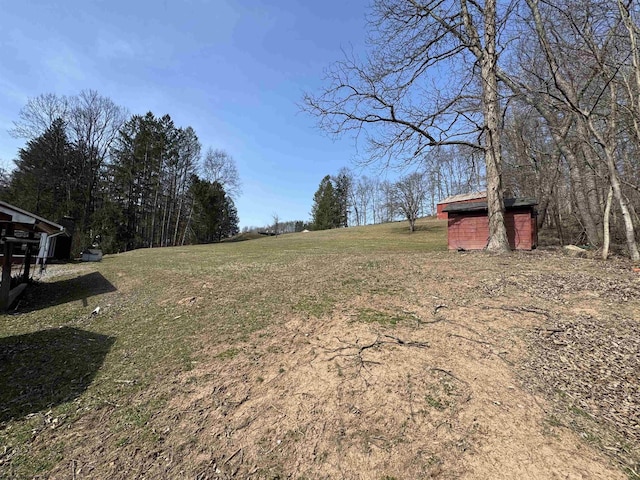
(35, 465)
(369, 315)
(434, 402)
(315, 306)
(228, 354)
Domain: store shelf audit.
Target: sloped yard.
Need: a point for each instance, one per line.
(360, 353)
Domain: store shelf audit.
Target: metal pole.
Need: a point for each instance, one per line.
(27, 260)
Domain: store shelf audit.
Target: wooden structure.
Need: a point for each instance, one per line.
(468, 227)
(21, 230)
(455, 199)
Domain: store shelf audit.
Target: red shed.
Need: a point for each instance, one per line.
(468, 227)
(464, 198)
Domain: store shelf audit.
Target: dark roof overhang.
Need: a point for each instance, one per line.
(509, 204)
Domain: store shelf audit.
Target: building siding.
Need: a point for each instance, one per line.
(470, 230)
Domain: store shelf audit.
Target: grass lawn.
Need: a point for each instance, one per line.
(366, 352)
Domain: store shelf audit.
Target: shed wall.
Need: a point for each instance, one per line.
(470, 230)
(519, 233)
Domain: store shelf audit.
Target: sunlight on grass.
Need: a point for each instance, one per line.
(159, 309)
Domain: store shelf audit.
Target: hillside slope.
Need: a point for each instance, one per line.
(365, 352)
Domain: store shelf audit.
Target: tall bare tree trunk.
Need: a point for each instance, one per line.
(546, 194)
(186, 227)
(594, 235)
(622, 202)
(498, 241)
(607, 214)
(155, 202)
(164, 221)
(584, 187)
(589, 177)
(609, 144)
(635, 60)
(180, 193)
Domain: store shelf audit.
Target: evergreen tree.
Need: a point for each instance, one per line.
(47, 176)
(135, 178)
(5, 181)
(326, 206)
(229, 219)
(151, 168)
(343, 185)
(131, 183)
(214, 215)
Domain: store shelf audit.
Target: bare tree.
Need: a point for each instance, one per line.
(453, 170)
(538, 83)
(91, 122)
(591, 97)
(276, 223)
(393, 99)
(388, 202)
(364, 191)
(409, 194)
(607, 212)
(189, 154)
(378, 209)
(94, 121)
(532, 160)
(39, 114)
(219, 166)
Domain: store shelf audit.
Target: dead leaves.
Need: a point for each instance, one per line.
(593, 366)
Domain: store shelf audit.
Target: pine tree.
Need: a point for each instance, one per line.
(214, 215)
(326, 206)
(47, 174)
(343, 185)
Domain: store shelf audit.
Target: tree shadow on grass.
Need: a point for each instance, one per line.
(46, 294)
(47, 368)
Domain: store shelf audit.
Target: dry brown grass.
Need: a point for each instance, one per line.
(359, 353)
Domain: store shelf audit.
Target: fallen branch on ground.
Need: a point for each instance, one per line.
(355, 350)
(376, 343)
(438, 307)
(535, 310)
(447, 372)
(472, 339)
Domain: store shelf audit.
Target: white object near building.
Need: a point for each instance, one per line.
(92, 255)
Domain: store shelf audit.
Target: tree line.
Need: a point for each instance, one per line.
(546, 93)
(346, 200)
(126, 181)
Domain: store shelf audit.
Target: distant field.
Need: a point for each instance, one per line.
(366, 352)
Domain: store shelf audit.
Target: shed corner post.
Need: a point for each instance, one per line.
(5, 286)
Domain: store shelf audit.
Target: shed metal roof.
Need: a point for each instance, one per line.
(509, 203)
(463, 197)
(27, 221)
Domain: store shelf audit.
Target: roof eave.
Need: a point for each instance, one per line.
(25, 218)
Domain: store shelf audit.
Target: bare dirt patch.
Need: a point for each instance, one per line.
(344, 399)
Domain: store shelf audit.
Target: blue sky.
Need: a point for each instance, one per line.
(234, 71)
